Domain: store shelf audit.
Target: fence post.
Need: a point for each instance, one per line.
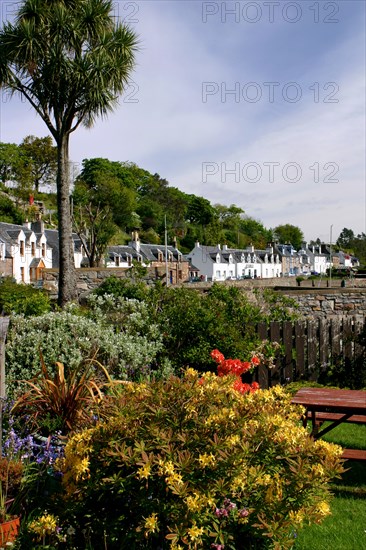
(288, 374)
(262, 372)
(312, 326)
(300, 349)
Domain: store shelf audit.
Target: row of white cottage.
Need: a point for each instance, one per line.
(219, 263)
(26, 250)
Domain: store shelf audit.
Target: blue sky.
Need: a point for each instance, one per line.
(287, 144)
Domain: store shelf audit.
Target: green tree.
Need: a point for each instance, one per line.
(253, 232)
(71, 61)
(9, 158)
(9, 213)
(288, 233)
(200, 211)
(38, 161)
(101, 204)
(346, 238)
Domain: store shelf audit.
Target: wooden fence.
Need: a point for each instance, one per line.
(309, 346)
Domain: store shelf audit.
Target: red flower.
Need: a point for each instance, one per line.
(217, 356)
(236, 367)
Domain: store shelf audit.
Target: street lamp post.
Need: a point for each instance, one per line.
(330, 257)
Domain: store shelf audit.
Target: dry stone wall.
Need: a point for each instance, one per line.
(329, 302)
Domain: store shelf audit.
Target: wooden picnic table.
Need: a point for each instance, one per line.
(335, 406)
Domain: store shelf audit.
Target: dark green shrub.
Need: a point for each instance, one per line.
(22, 299)
(126, 288)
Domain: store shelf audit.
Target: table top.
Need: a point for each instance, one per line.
(332, 400)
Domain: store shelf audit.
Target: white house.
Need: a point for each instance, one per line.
(24, 252)
(217, 263)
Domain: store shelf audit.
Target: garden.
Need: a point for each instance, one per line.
(133, 420)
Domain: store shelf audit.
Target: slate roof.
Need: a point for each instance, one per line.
(149, 252)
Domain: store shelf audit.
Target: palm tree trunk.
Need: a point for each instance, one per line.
(67, 276)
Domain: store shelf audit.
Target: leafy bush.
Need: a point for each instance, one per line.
(69, 338)
(22, 299)
(192, 324)
(192, 463)
(126, 288)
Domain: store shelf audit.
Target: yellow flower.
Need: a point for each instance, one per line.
(194, 503)
(206, 460)
(151, 523)
(191, 374)
(44, 525)
(297, 517)
(166, 468)
(195, 532)
(144, 472)
(323, 509)
(81, 468)
(233, 440)
(174, 478)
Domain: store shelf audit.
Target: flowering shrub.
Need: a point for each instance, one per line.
(193, 463)
(236, 368)
(69, 338)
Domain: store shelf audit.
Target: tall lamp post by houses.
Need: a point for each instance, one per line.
(330, 257)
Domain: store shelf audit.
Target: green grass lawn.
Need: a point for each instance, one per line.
(345, 529)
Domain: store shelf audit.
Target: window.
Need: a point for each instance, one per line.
(160, 256)
(43, 250)
(22, 273)
(21, 248)
(129, 261)
(116, 260)
(33, 248)
(180, 275)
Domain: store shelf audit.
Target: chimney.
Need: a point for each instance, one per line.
(219, 246)
(135, 243)
(27, 224)
(224, 246)
(38, 225)
(175, 242)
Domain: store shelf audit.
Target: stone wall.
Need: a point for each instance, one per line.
(329, 302)
(87, 278)
(319, 301)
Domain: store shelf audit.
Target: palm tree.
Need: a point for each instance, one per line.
(71, 61)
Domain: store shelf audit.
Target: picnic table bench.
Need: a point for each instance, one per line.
(334, 406)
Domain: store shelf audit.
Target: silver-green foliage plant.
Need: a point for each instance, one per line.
(127, 348)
